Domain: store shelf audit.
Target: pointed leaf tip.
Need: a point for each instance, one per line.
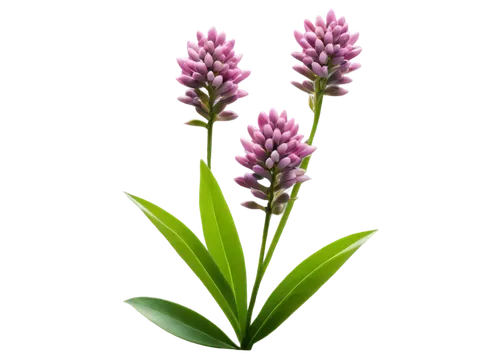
(222, 238)
(182, 322)
(303, 282)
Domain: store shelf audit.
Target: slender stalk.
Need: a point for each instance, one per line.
(210, 126)
(260, 269)
(212, 118)
(318, 102)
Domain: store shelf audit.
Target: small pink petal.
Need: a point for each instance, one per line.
(273, 115)
(329, 49)
(354, 53)
(259, 138)
(355, 67)
(210, 47)
(209, 60)
(297, 35)
(276, 136)
(217, 66)
(323, 57)
(312, 53)
(343, 39)
(298, 55)
(260, 170)
(319, 21)
(283, 163)
(230, 115)
(262, 119)
(311, 37)
(330, 15)
(292, 145)
(328, 39)
(258, 194)
(304, 44)
(221, 38)
(193, 55)
(269, 144)
(241, 160)
(198, 77)
(217, 81)
(251, 205)
(285, 137)
(308, 25)
(281, 123)
(316, 67)
(201, 68)
(192, 44)
(217, 52)
(185, 100)
(268, 131)
(202, 53)
(275, 156)
(319, 46)
(308, 85)
(269, 163)
(240, 181)
(259, 152)
(336, 32)
(307, 61)
(282, 148)
(354, 38)
(212, 34)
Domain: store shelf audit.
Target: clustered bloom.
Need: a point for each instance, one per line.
(274, 152)
(327, 48)
(212, 74)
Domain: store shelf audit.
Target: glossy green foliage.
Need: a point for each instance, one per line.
(189, 248)
(222, 236)
(299, 285)
(181, 322)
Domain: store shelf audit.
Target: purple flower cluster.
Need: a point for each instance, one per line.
(327, 48)
(211, 72)
(274, 152)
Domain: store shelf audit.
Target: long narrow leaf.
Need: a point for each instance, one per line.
(181, 322)
(303, 282)
(196, 256)
(222, 239)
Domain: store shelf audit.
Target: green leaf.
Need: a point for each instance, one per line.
(181, 322)
(196, 123)
(303, 282)
(311, 102)
(196, 256)
(222, 239)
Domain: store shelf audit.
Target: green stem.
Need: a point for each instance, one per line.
(212, 118)
(210, 126)
(318, 101)
(260, 269)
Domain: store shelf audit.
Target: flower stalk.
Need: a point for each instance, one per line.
(318, 102)
(256, 284)
(210, 126)
(212, 117)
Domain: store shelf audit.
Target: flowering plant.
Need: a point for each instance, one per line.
(277, 157)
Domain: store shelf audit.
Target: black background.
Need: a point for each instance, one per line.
(152, 153)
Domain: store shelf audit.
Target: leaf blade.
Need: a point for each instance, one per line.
(182, 322)
(222, 239)
(196, 256)
(303, 282)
